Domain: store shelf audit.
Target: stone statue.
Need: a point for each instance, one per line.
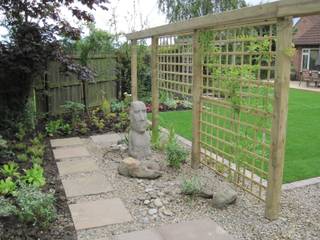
(139, 139)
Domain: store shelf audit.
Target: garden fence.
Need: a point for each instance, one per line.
(236, 68)
(58, 86)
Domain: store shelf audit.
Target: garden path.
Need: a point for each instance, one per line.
(91, 206)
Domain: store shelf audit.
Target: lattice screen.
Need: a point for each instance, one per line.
(237, 103)
(175, 65)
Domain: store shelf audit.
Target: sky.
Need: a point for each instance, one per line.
(129, 15)
(137, 15)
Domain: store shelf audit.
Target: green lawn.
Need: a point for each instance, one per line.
(302, 159)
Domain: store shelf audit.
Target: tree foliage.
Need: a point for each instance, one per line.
(123, 69)
(97, 42)
(35, 28)
(177, 10)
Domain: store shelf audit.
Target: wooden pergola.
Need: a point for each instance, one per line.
(276, 15)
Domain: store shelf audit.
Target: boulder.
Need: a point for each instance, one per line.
(128, 165)
(131, 167)
(224, 196)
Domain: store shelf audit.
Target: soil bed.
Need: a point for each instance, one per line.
(62, 228)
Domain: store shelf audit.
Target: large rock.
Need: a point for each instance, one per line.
(224, 196)
(131, 167)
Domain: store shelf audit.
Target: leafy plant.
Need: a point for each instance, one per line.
(6, 207)
(56, 127)
(21, 133)
(36, 151)
(117, 106)
(38, 140)
(3, 143)
(191, 186)
(82, 127)
(106, 107)
(97, 122)
(10, 169)
(75, 109)
(7, 186)
(175, 155)
(170, 103)
(186, 104)
(34, 206)
(20, 146)
(5, 152)
(34, 176)
(36, 160)
(23, 157)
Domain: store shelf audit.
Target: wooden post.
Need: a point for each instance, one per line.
(279, 122)
(196, 100)
(155, 90)
(134, 70)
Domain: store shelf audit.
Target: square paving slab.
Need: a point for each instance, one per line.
(141, 235)
(70, 152)
(107, 139)
(76, 166)
(203, 229)
(99, 213)
(65, 142)
(86, 185)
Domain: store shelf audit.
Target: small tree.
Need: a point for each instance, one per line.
(35, 28)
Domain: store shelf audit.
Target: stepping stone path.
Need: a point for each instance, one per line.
(84, 185)
(75, 163)
(203, 229)
(105, 140)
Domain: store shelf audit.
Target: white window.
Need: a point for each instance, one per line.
(310, 58)
(305, 60)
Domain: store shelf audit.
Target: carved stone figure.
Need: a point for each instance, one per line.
(139, 139)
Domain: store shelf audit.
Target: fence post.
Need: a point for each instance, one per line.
(196, 100)
(279, 121)
(155, 89)
(134, 92)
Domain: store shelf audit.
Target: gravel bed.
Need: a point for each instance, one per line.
(157, 202)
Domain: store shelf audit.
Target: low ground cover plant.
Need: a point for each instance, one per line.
(191, 186)
(22, 179)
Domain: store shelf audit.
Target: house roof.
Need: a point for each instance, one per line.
(308, 31)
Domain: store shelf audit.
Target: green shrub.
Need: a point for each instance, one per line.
(6, 207)
(191, 186)
(7, 186)
(75, 109)
(34, 176)
(10, 169)
(34, 206)
(175, 155)
(170, 103)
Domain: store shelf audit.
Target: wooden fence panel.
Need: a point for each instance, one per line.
(59, 86)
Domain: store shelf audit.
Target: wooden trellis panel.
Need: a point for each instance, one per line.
(238, 66)
(175, 64)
